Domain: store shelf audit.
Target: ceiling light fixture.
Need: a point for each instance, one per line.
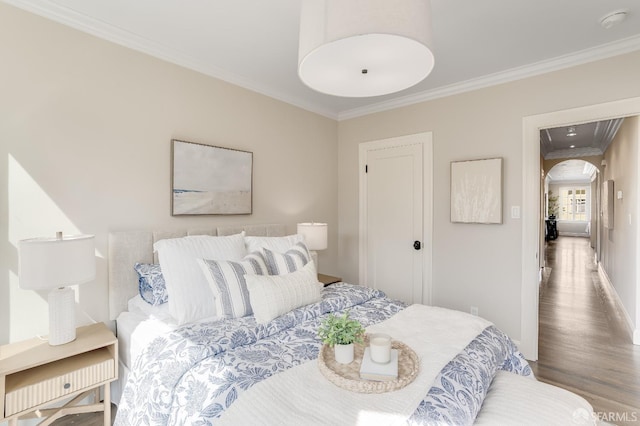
(613, 18)
(364, 48)
(571, 132)
(572, 146)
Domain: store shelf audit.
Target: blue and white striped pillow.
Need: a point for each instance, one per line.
(227, 282)
(290, 261)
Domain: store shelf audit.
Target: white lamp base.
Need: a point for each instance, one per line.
(62, 318)
(314, 257)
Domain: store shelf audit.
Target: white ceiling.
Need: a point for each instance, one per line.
(254, 43)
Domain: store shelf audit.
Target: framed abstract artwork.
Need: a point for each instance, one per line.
(476, 191)
(607, 203)
(208, 179)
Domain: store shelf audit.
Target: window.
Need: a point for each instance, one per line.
(573, 204)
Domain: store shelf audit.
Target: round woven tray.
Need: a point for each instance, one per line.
(347, 376)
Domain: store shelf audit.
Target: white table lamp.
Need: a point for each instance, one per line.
(315, 237)
(52, 264)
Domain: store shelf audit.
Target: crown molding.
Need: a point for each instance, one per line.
(73, 19)
(573, 153)
(104, 31)
(603, 51)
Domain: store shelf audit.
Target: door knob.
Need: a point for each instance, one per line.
(416, 245)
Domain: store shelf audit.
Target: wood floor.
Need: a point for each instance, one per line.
(584, 344)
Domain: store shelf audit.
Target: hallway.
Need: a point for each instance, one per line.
(584, 345)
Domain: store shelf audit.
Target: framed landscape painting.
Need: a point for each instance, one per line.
(476, 191)
(208, 179)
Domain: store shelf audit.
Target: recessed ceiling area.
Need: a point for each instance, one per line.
(254, 44)
(580, 140)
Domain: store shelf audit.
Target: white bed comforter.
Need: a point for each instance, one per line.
(436, 335)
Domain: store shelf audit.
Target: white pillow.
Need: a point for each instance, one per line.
(278, 244)
(290, 261)
(275, 295)
(190, 297)
(137, 305)
(227, 282)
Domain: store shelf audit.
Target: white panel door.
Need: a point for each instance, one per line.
(394, 220)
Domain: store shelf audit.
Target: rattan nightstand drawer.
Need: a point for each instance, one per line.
(30, 388)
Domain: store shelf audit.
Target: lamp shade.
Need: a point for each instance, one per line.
(315, 235)
(360, 48)
(47, 263)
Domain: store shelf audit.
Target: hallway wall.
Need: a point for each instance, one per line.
(619, 252)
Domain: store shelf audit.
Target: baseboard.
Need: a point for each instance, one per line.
(634, 333)
(573, 234)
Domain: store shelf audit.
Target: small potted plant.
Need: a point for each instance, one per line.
(341, 332)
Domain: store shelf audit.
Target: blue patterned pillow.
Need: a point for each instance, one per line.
(153, 289)
(292, 260)
(227, 280)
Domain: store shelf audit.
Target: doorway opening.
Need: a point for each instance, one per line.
(533, 217)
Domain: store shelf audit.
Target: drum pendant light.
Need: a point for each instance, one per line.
(361, 48)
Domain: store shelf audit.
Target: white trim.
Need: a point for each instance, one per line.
(104, 31)
(603, 51)
(73, 19)
(426, 140)
(531, 197)
(631, 330)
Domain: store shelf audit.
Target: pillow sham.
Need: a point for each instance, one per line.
(278, 244)
(190, 297)
(227, 282)
(290, 261)
(274, 295)
(151, 285)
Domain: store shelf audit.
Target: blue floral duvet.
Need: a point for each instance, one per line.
(191, 375)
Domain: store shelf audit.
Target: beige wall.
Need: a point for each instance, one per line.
(619, 245)
(479, 265)
(85, 130)
(85, 127)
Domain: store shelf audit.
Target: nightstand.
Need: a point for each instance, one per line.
(34, 374)
(328, 279)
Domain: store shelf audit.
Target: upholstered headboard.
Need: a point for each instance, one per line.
(128, 247)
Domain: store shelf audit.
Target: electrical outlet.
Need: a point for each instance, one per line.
(474, 310)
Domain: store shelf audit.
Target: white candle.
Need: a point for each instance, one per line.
(380, 348)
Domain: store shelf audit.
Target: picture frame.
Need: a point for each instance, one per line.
(607, 203)
(210, 180)
(476, 191)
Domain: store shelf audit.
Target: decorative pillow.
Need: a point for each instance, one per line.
(151, 283)
(275, 295)
(277, 244)
(290, 261)
(190, 297)
(227, 281)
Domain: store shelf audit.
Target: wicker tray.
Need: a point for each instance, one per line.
(347, 376)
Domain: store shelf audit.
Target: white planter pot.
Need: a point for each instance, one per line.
(344, 353)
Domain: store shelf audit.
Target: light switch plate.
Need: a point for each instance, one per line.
(515, 212)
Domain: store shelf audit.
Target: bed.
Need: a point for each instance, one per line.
(254, 360)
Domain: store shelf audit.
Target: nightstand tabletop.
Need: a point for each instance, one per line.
(33, 352)
(328, 279)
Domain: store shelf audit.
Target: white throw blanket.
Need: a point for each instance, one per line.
(302, 395)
